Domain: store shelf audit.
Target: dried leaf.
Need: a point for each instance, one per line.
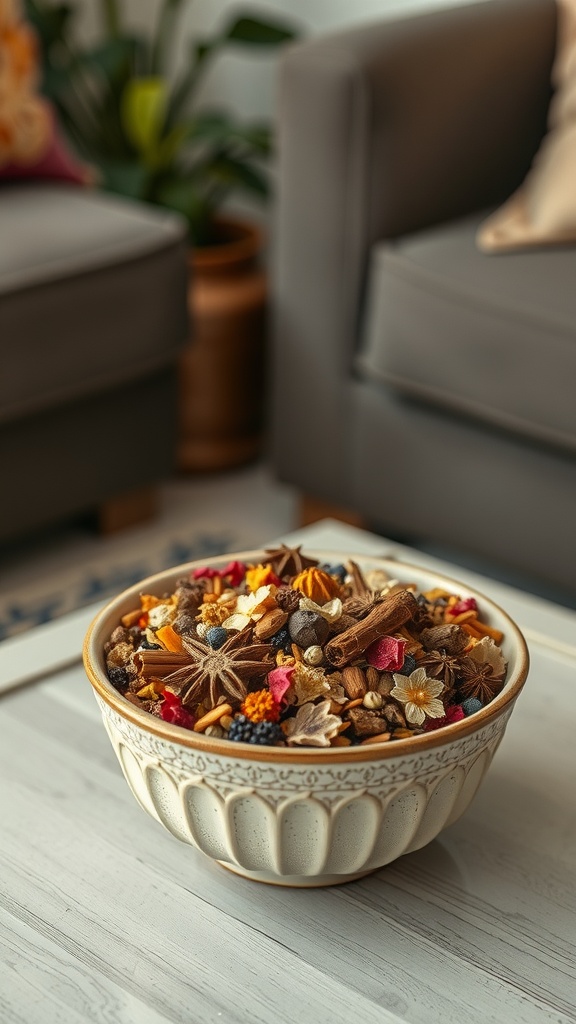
(486, 652)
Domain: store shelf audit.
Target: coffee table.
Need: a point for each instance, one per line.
(104, 917)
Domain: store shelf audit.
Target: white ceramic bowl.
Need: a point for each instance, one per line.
(303, 816)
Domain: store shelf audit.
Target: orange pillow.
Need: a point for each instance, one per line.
(30, 145)
(543, 210)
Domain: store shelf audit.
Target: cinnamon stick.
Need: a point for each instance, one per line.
(358, 585)
(159, 663)
(385, 617)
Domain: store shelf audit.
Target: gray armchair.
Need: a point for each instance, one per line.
(424, 385)
(93, 317)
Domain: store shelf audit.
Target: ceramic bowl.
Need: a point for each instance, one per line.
(303, 816)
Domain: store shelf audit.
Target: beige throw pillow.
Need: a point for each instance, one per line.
(543, 210)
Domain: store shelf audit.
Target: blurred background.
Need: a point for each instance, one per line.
(240, 289)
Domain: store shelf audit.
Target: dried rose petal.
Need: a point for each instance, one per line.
(234, 572)
(172, 711)
(386, 654)
(279, 680)
(454, 713)
(205, 573)
(467, 604)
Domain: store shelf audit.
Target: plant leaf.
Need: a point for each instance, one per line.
(167, 21)
(238, 174)
(256, 32)
(126, 177)
(143, 110)
(50, 22)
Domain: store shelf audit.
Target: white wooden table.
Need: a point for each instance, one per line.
(104, 917)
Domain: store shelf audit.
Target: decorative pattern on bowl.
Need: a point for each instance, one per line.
(313, 817)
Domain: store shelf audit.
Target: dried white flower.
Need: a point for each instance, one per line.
(418, 694)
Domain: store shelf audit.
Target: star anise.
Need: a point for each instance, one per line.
(223, 672)
(479, 680)
(287, 561)
(441, 666)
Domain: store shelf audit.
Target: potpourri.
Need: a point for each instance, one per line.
(292, 652)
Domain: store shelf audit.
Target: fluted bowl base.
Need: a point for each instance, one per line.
(295, 881)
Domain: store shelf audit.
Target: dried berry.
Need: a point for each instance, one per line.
(118, 677)
(216, 636)
(471, 705)
(281, 641)
(243, 730)
(308, 629)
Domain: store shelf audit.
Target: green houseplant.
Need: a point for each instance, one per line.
(134, 120)
(138, 124)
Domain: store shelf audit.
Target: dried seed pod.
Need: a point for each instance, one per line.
(381, 737)
(373, 701)
(316, 584)
(450, 638)
(214, 730)
(393, 715)
(354, 682)
(386, 684)
(341, 624)
(270, 623)
(314, 655)
(366, 723)
(372, 678)
(287, 599)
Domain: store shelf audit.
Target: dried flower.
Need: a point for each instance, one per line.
(307, 684)
(330, 610)
(316, 584)
(214, 614)
(234, 572)
(419, 696)
(258, 576)
(313, 726)
(250, 607)
(260, 706)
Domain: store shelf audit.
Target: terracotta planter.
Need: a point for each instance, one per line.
(222, 370)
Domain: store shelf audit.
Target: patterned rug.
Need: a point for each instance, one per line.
(49, 576)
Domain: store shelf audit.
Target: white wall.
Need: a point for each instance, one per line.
(242, 80)
(245, 80)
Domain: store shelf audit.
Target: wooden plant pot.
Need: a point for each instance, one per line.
(222, 370)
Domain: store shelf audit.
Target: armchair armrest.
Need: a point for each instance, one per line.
(383, 130)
